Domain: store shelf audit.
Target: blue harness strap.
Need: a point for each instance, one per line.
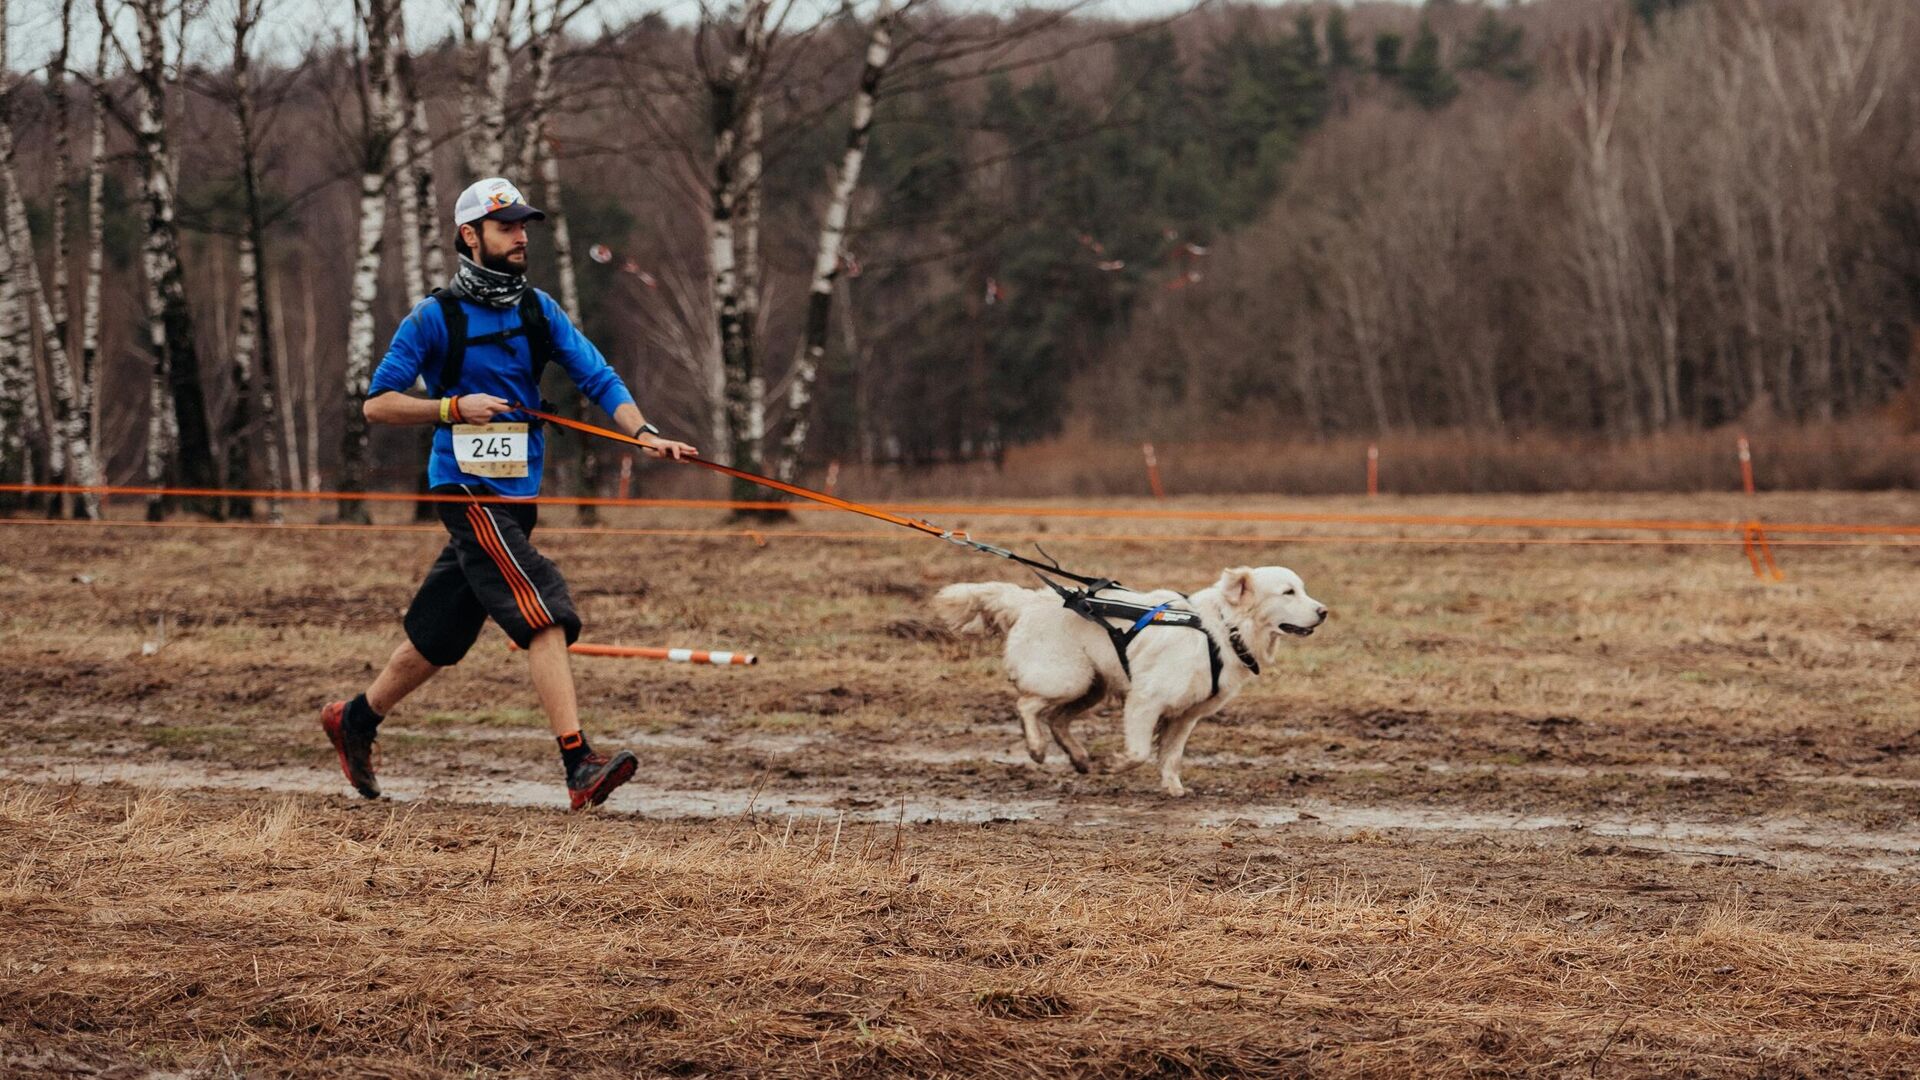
(1098, 609)
(1149, 617)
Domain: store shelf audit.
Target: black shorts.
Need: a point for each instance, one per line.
(488, 568)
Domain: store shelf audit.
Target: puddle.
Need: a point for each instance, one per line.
(1789, 843)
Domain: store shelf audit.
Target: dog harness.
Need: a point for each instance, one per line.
(1088, 604)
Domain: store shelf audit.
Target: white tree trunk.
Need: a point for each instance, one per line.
(470, 67)
(16, 371)
(20, 389)
(489, 136)
(412, 160)
(63, 168)
(537, 151)
(72, 460)
(285, 430)
(833, 229)
(377, 140)
(412, 250)
(96, 246)
(183, 431)
(432, 240)
(730, 92)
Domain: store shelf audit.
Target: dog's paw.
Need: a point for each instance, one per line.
(1120, 763)
(1173, 787)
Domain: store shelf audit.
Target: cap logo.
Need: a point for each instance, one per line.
(502, 198)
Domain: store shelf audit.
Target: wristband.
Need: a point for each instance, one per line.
(444, 417)
(454, 406)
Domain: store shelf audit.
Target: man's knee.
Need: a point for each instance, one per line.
(406, 654)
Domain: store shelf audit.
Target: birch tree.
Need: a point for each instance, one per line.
(483, 94)
(833, 229)
(408, 164)
(542, 43)
(17, 380)
(731, 84)
(252, 347)
(62, 169)
(537, 152)
(96, 240)
(181, 429)
(71, 457)
(377, 136)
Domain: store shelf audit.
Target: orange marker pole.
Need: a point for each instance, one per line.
(626, 476)
(1153, 471)
(678, 656)
(1373, 470)
(1746, 465)
(833, 476)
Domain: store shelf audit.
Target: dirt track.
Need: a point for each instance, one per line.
(1615, 742)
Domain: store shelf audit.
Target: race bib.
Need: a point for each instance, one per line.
(491, 449)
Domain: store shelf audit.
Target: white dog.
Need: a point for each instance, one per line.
(1063, 664)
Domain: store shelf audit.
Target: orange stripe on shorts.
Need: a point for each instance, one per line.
(524, 595)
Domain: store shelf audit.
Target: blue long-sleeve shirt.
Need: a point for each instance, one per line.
(503, 369)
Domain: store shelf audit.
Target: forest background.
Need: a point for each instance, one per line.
(1509, 241)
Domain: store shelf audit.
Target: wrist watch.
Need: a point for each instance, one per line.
(647, 429)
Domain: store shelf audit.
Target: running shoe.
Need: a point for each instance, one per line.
(356, 752)
(594, 778)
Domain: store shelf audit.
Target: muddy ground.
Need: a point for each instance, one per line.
(1613, 741)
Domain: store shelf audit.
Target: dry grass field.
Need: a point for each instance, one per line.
(1518, 810)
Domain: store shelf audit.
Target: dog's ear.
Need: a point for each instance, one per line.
(1236, 583)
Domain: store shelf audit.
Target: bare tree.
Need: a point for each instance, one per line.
(833, 228)
(250, 340)
(377, 136)
(17, 379)
(96, 240)
(71, 458)
(62, 169)
(181, 428)
(543, 43)
(732, 83)
(412, 158)
(483, 91)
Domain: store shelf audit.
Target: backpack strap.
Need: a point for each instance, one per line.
(533, 323)
(455, 317)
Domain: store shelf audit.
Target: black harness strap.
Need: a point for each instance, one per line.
(533, 324)
(1085, 603)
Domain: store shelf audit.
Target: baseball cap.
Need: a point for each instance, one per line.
(496, 198)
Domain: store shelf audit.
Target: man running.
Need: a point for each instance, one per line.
(481, 344)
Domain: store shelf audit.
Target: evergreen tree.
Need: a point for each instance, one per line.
(1306, 42)
(1259, 97)
(1496, 49)
(1341, 55)
(1425, 78)
(1386, 55)
(1649, 10)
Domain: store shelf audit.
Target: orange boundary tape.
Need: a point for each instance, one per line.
(1736, 528)
(760, 536)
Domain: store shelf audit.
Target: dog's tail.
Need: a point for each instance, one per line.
(989, 607)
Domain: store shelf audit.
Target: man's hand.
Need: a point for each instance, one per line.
(481, 408)
(658, 447)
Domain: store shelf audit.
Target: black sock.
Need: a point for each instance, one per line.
(361, 719)
(573, 749)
